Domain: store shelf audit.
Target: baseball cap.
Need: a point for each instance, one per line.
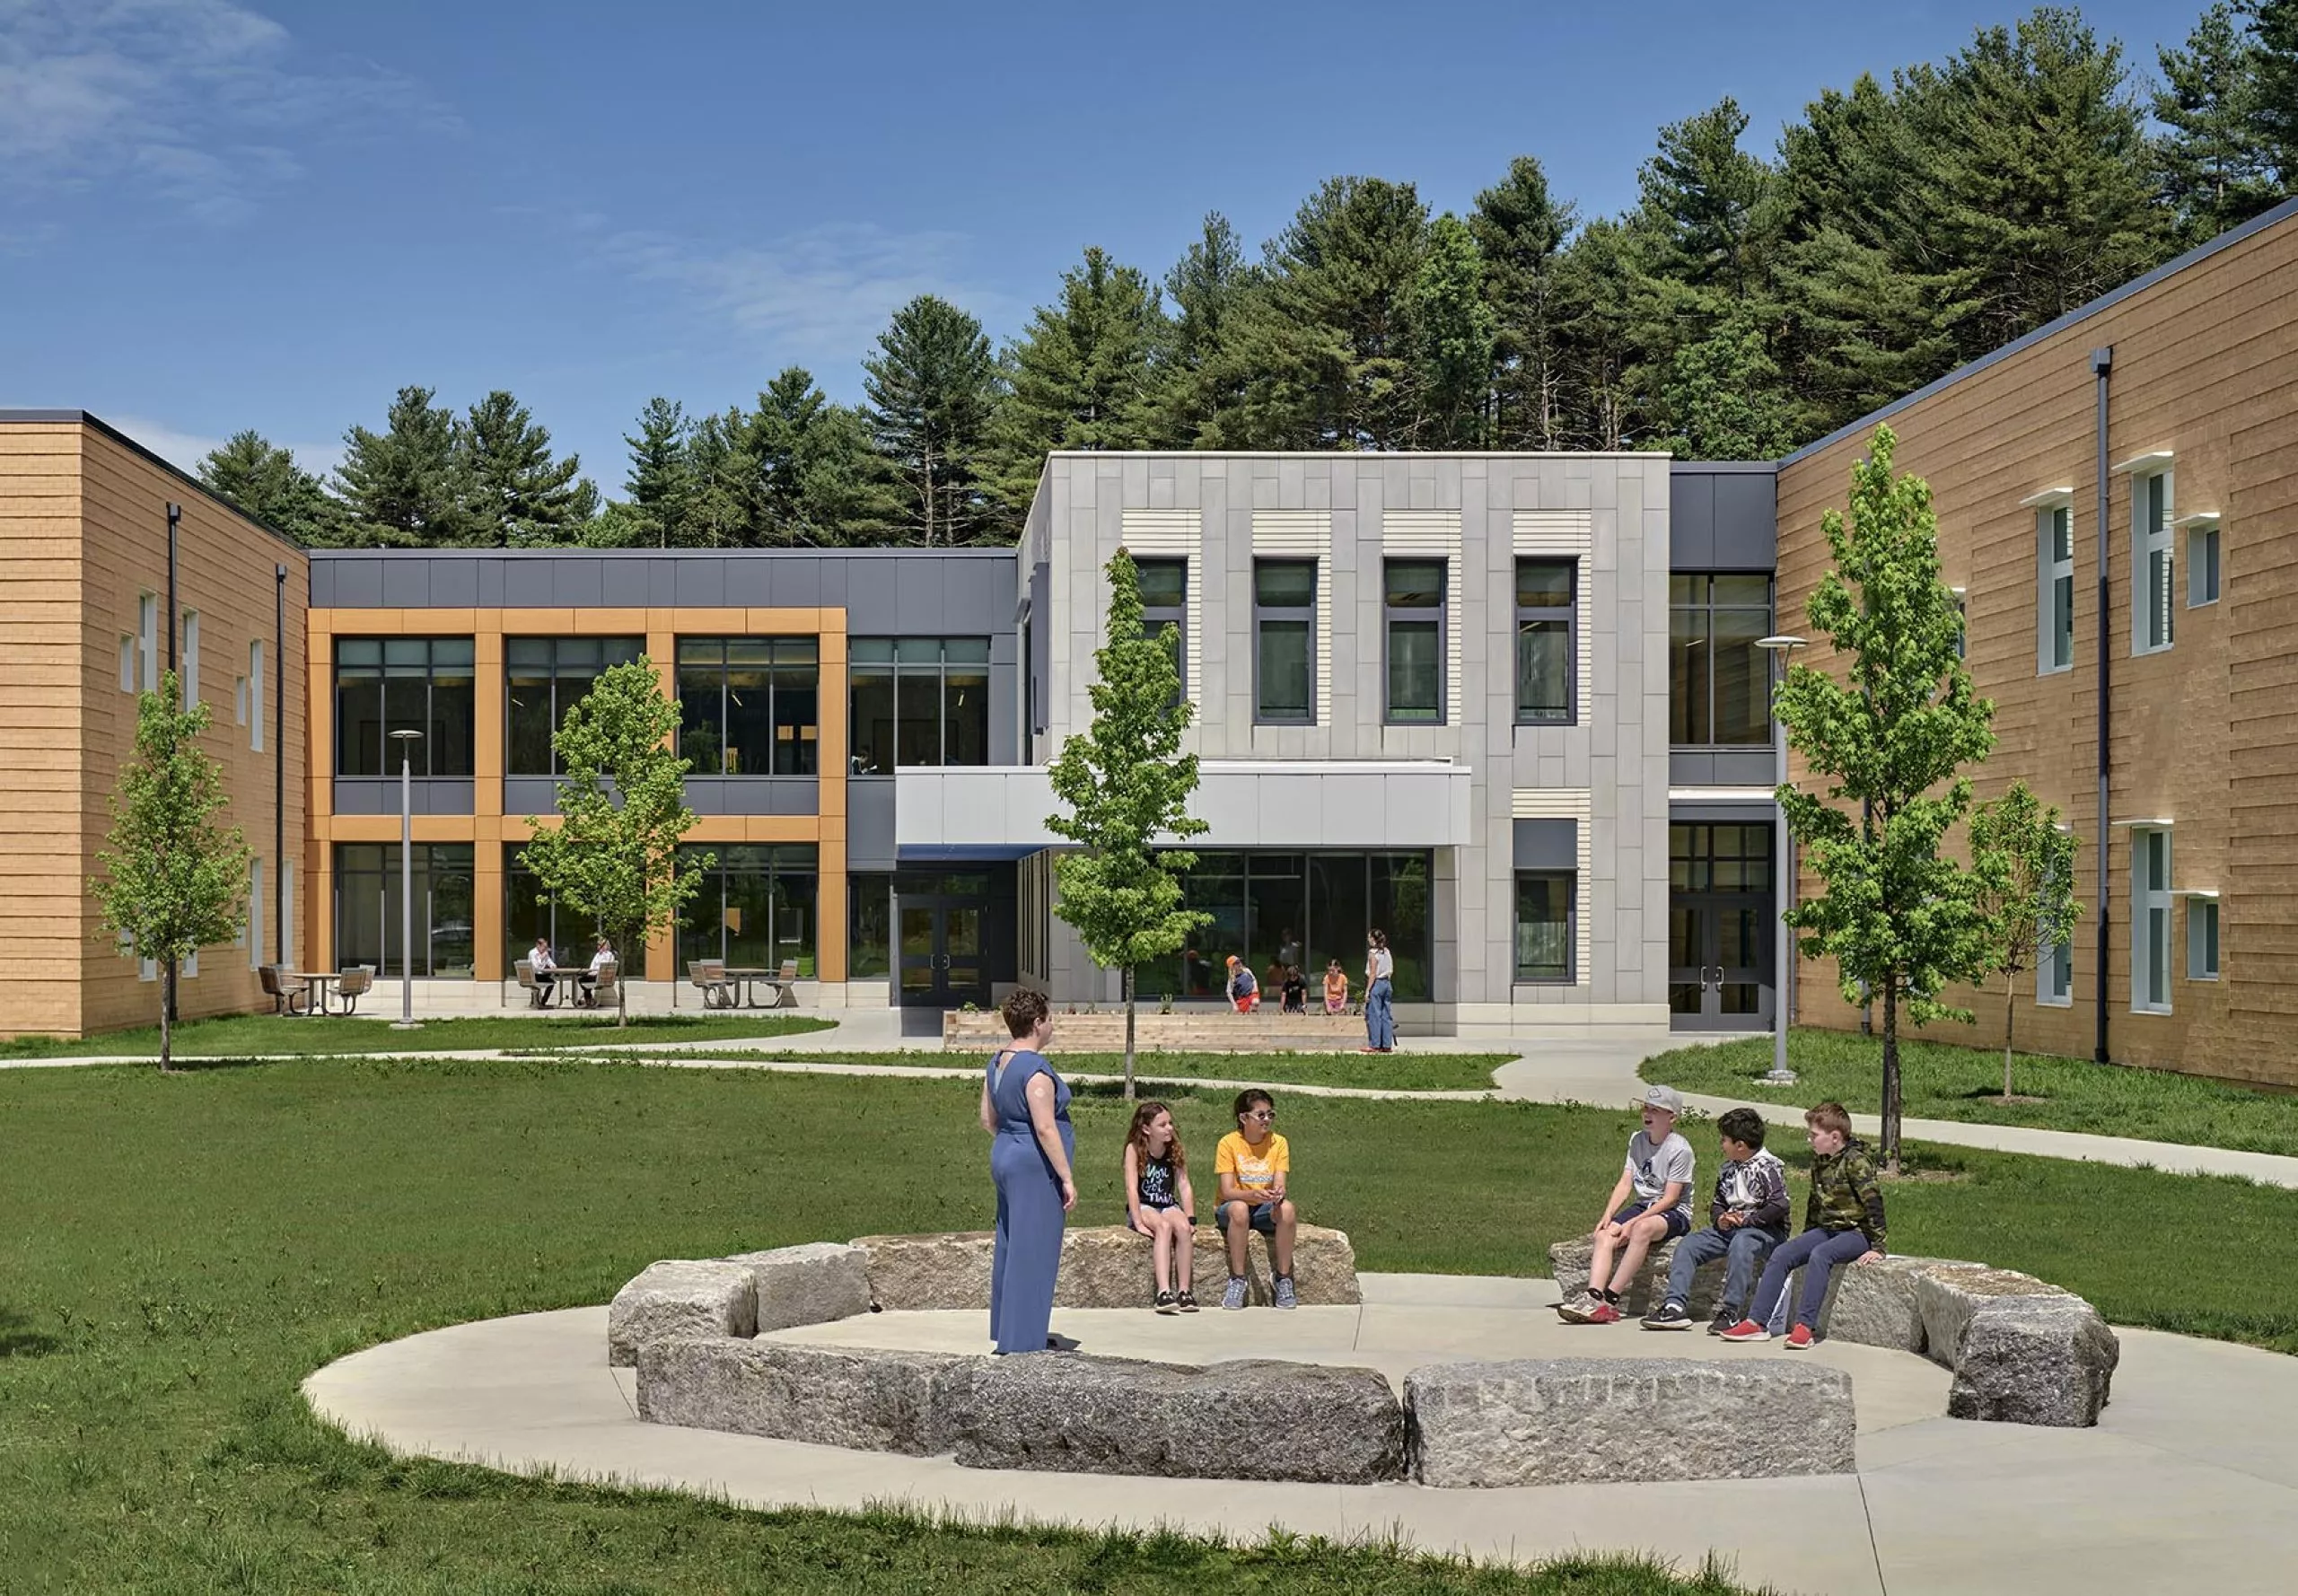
(1666, 1098)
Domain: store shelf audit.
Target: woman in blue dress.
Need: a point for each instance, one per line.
(1025, 1108)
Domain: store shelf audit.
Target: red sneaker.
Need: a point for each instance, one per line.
(1798, 1339)
(1747, 1329)
(1603, 1313)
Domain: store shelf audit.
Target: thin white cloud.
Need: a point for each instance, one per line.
(819, 296)
(187, 450)
(200, 102)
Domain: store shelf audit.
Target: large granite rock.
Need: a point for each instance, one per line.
(1102, 1266)
(2034, 1360)
(1116, 1415)
(1570, 1421)
(1876, 1304)
(832, 1396)
(681, 1297)
(1947, 1297)
(1569, 1262)
(810, 1284)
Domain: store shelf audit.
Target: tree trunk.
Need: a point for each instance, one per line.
(1891, 1076)
(2010, 1018)
(167, 1016)
(1126, 977)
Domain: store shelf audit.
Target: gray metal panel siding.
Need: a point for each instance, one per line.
(526, 584)
(1690, 812)
(870, 823)
(530, 795)
(1547, 844)
(454, 583)
(1040, 640)
(379, 796)
(1005, 705)
(1691, 521)
(1723, 767)
(1746, 521)
(577, 583)
(490, 583)
(700, 583)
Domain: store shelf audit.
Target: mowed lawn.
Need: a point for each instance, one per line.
(1407, 1071)
(275, 1036)
(1942, 1081)
(176, 1255)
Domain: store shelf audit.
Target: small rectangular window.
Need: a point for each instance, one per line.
(189, 967)
(255, 696)
(2153, 561)
(252, 934)
(1548, 661)
(147, 643)
(1544, 925)
(1164, 607)
(2055, 597)
(1414, 607)
(2202, 939)
(190, 658)
(238, 700)
(287, 911)
(1284, 641)
(2150, 920)
(2055, 975)
(126, 663)
(2201, 564)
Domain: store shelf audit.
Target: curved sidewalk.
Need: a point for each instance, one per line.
(2191, 1482)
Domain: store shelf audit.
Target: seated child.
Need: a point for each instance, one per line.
(1657, 1176)
(1844, 1221)
(1336, 988)
(1252, 1164)
(1747, 1218)
(1243, 990)
(1158, 1202)
(1296, 991)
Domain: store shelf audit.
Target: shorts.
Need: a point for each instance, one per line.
(1678, 1222)
(1165, 1208)
(1263, 1217)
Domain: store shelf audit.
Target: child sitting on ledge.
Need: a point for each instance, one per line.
(1159, 1204)
(1253, 1164)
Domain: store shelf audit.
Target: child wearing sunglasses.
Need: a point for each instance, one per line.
(1253, 1164)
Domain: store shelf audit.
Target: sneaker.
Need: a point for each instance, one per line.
(1747, 1329)
(1167, 1302)
(1187, 1302)
(1724, 1321)
(1801, 1339)
(1286, 1297)
(1603, 1313)
(1233, 1298)
(1577, 1310)
(1668, 1315)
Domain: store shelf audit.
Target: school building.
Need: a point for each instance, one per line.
(1509, 708)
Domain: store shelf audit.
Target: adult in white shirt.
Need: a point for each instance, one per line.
(599, 961)
(1379, 969)
(539, 957)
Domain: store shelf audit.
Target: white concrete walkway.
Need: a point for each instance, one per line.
(2190, 1483)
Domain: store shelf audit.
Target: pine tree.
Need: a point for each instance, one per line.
(1595, 298)
(1083, 375)
(818, 483)
(2274, 34)
(724, 476)
(1724, 393)
(2218, 163)
(1453, 327)
(660, 480)
(1202, 382)
(408, 484)
(932, 387)
(264, 480)
(519, 496)
(1521, 229)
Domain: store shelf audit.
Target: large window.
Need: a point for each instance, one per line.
(2054, 600)
(1321, 903)
(367, 908)
(1284, 641)
(530, 911)
(546, 677)
(749, 705)
(386, 684)
(2154, 561)
(1544, 925)
(2150, 920)
(869, 926)
(1413, 597)
(919, 701)
(1718, 680)
(1164, 607)
(756, 908)
(1546, 651)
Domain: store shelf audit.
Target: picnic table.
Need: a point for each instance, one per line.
(750, 978)
(567, 979)
(320, 981)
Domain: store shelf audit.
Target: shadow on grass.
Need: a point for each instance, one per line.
(18, 1339)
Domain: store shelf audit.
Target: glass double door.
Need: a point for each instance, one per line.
(939, 941)
(1723, 928)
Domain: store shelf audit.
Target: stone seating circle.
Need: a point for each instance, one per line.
(2022, 1350)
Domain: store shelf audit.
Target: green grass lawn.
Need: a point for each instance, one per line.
(1940, 1081)
(1390, 1072)
(176, 1254)
(271, 1036)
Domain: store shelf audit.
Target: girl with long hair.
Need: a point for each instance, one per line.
(1158, 1202)
(1380, 970)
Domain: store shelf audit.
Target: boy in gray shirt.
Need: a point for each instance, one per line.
(1650, 1203)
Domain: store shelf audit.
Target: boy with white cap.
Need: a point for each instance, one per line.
(1650, 1203)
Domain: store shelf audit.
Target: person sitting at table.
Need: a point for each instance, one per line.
(603, 957)
(539, 956)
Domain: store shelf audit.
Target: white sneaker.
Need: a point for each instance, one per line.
(1233, 1298)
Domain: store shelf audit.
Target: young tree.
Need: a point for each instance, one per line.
(264, 480)
(2022, 863)
(931, 386)
(1898, 912)
(173, 880)
(614, 855)
(1126, 783)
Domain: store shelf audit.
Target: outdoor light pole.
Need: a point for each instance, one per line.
(1781, 648)
(406, 739)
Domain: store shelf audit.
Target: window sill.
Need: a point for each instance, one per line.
(2054, 1003)
(2204, 980)
(1262, 720)
(2148, 654)
(2202, 603)
(2160, 1014)
(1566, 722)
(2065, 670)
(1550, 981)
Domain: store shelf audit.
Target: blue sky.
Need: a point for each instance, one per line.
(218, 214)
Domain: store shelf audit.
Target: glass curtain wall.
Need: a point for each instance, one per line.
(756, 908)
(869, 921)
(386, 684)
(1718, 680)
(749, 705)
(545, 677)
(367, 908)
(1323, 903)
(528, 912)
(919, 701)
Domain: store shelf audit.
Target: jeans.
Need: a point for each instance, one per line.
(1380, 1024)
(1742, 1250)
(1816, 1253)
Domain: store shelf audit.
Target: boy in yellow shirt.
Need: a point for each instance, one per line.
(1252, 1164)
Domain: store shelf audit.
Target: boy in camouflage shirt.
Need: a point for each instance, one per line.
(1845, 1221)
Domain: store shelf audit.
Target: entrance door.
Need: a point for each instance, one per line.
(939, 933)
(1721, 928)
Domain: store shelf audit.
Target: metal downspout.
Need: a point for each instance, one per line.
(2103, 361)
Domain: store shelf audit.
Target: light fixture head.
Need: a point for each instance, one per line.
(405, 735)
(1781, 643)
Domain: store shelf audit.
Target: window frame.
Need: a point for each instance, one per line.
(2205, 953)
(255, 694)
(427, 748)
(252, 928)
(1156, 617)
(1568, 613)
(879, 658)
(2150, 898)
(1707, 607)
(1394, 615)
(2054, 530)
(553, 674)
(1305, 615)
(1570, 885)
(2205, 580)
(147, 643)
(2152, 536)
(190, 678)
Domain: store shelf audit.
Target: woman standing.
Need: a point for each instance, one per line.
(1025, 1108)
(1379, 965)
